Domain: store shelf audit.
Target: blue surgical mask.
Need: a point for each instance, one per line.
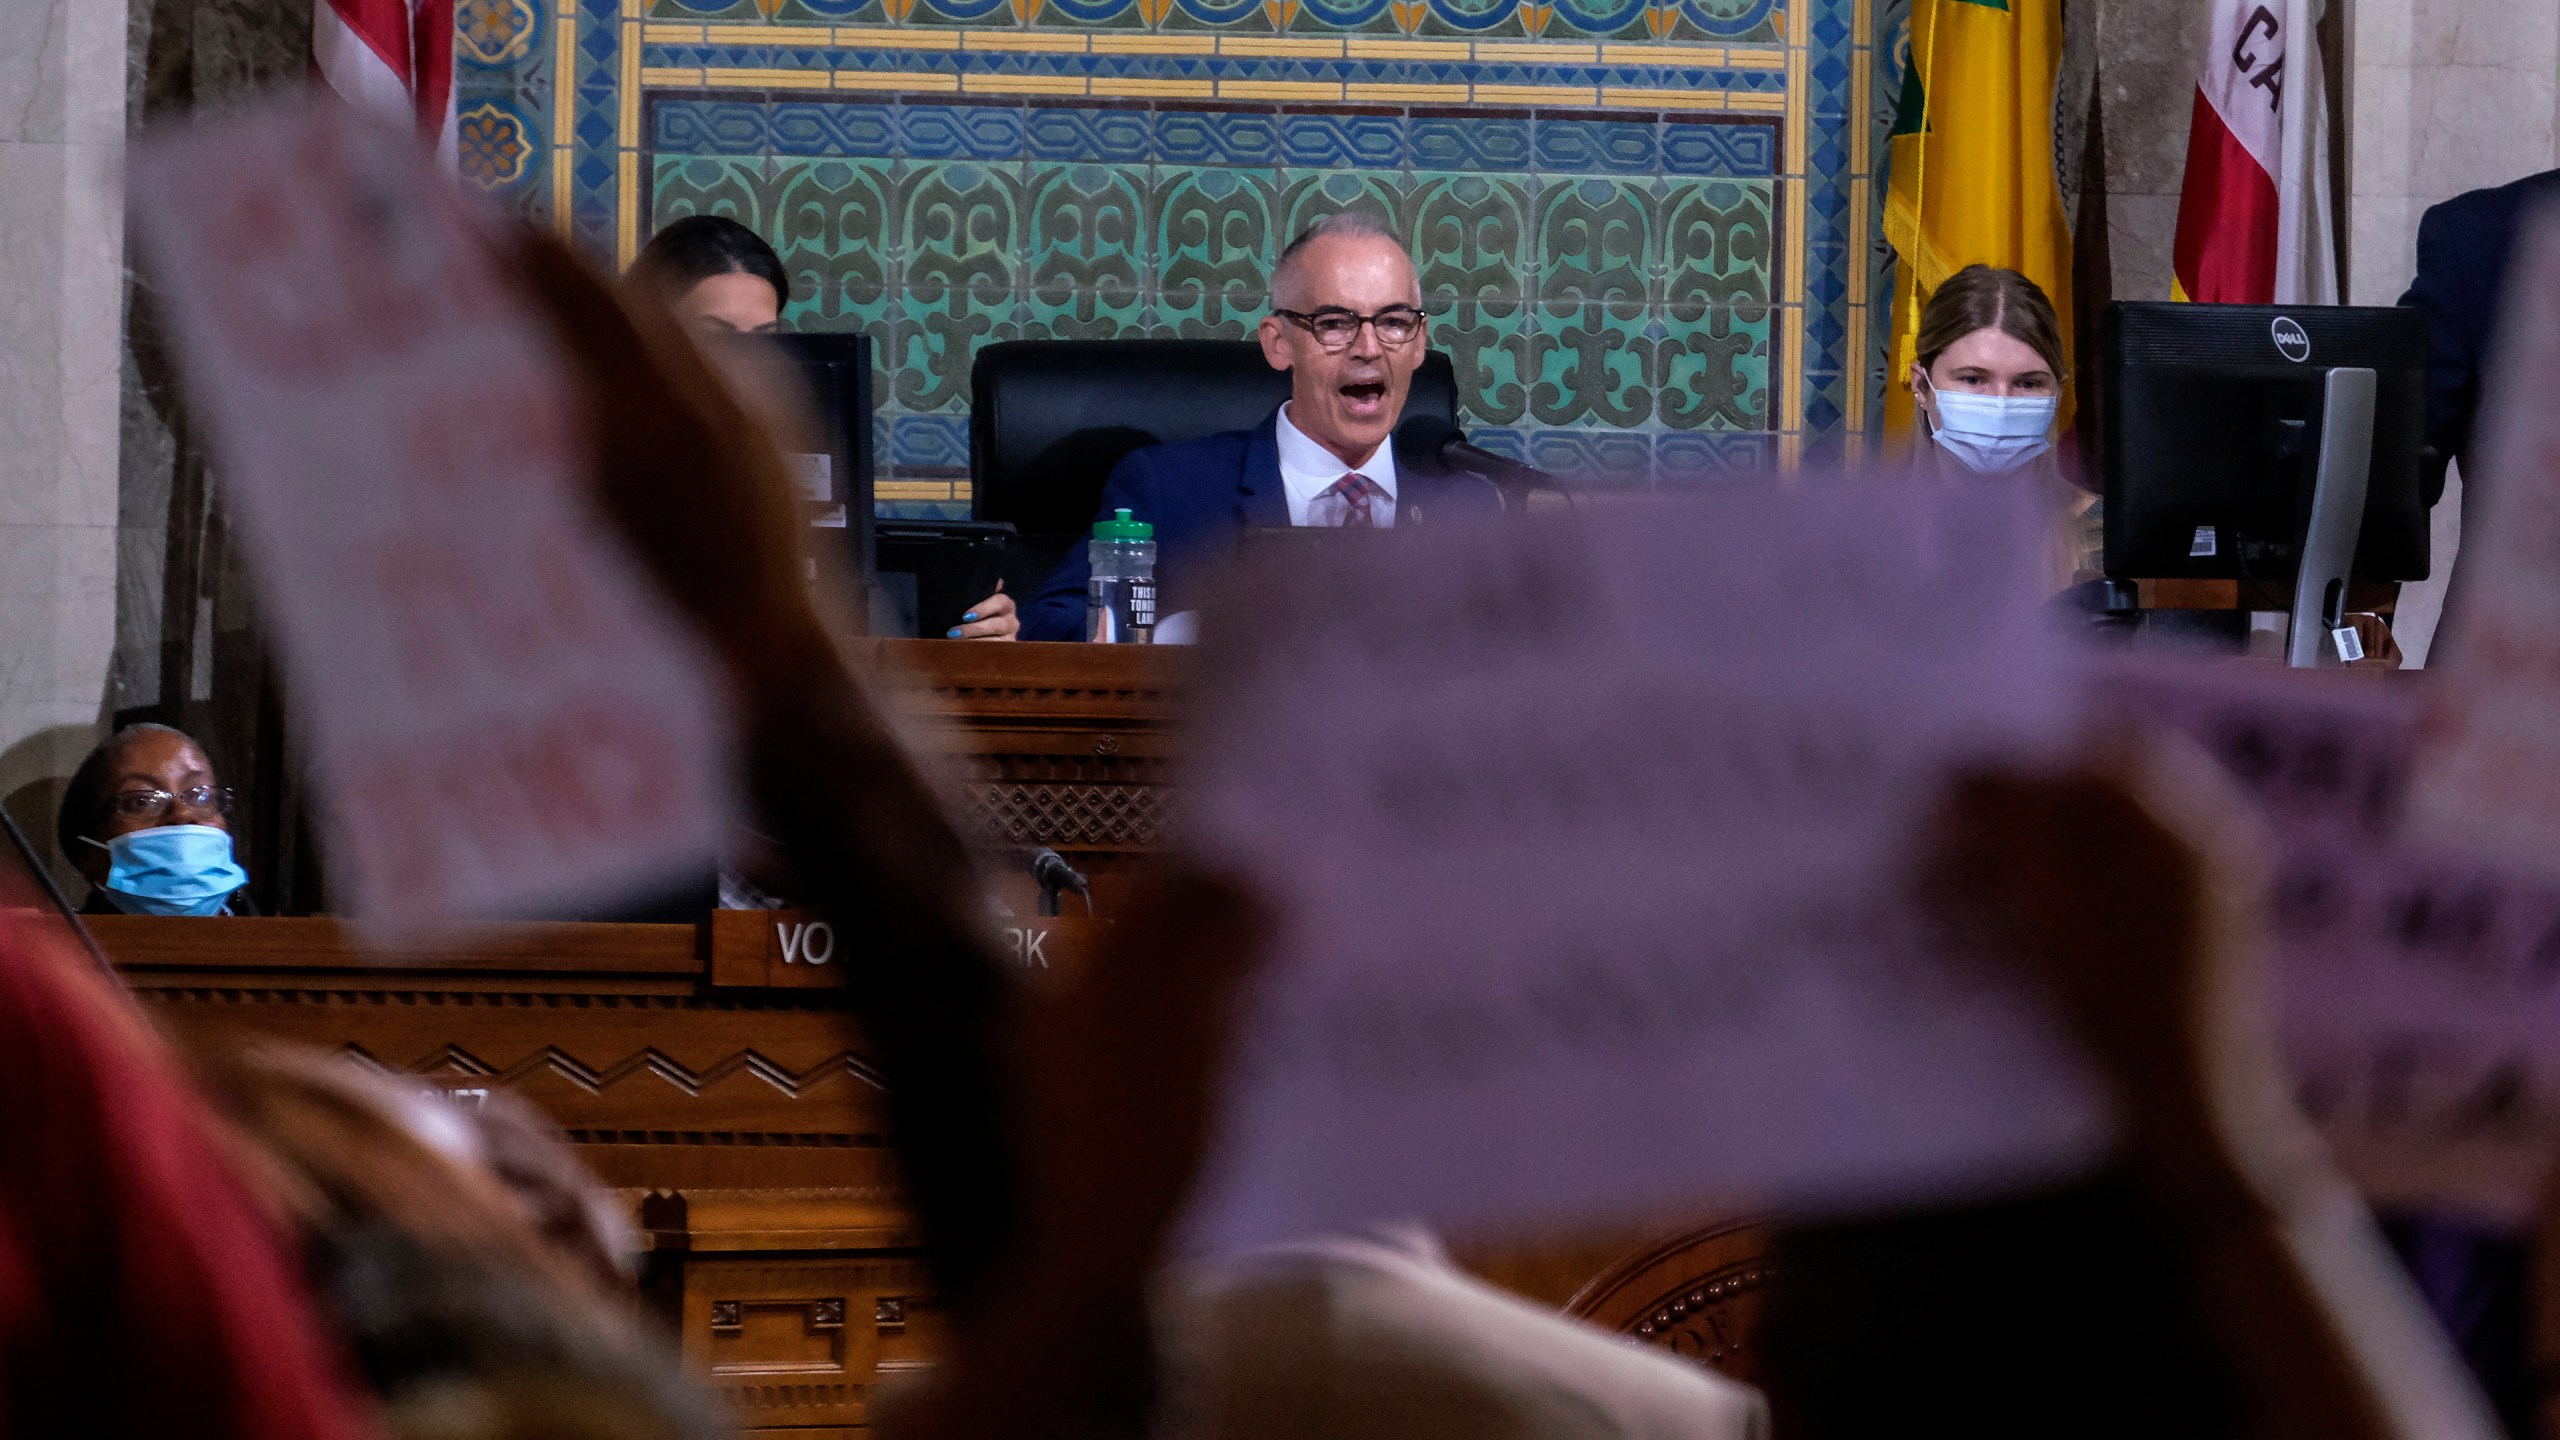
(171, 870)
(1993, 434)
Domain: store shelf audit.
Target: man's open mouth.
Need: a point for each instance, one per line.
(1363, 392)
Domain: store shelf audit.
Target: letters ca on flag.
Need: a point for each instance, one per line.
(2247, 233)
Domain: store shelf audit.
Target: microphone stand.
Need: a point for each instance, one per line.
(1056, 876)
(1443, 448)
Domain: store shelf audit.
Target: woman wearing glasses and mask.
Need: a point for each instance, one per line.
(1988, 386)
(149, 826)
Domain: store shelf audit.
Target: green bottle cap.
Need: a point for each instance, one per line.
(1121, 527)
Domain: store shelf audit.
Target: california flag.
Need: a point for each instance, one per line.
(2253, 219)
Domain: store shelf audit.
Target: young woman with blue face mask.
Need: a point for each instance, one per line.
(149, 826)
(1988, 379)
(1988, 382)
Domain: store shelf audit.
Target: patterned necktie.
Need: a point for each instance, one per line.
(1350, 497)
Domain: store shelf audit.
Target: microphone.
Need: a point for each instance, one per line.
(1051, 870)
(1440, 445)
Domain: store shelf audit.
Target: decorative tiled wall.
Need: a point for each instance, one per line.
(1644, 227)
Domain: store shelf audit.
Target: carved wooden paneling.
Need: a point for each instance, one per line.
(603, 1033)
(264, 943)
(806, 1339)
(1104, 767)
(1070, 817)
(743, 1075)
(744, 1124)
(1001, 685)
(1061, 745)
(1698, 1295)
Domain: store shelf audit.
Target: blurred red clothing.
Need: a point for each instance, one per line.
(142, 1291)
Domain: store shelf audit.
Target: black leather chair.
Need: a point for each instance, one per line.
(1049, 418)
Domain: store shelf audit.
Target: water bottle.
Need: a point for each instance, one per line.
(1120, 599)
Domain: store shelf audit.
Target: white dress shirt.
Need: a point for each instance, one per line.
(1307, 470)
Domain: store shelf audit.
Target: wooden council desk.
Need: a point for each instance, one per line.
(1068, 746)
(706, 1072)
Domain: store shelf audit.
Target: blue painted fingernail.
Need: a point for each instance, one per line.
(965, 619)
(951, 634)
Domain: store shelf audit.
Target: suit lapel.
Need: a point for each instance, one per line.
(1260, 501)
(1443, 497)
(1416, 495)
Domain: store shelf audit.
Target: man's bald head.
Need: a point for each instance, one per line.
(1319, 246)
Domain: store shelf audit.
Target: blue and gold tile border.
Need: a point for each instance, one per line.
(1671, 20)
(557, 96)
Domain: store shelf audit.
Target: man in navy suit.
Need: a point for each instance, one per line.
(2474, 1280)
(2463, 247)
(1347, 324)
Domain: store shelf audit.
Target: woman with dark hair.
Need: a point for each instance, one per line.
(715, 273)
(149, 827)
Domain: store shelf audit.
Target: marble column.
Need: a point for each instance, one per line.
(2148, 51)
(62, 129)
(2447, 96)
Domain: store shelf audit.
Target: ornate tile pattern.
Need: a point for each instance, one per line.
(1646, 224)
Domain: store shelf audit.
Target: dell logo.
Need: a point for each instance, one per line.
(2291, 341)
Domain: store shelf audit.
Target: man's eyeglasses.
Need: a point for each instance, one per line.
(1335, 327)
(158, 804)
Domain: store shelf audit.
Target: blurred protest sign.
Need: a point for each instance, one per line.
(2488, 770)
(1594, 868)
(502, 713)
(2416, 990)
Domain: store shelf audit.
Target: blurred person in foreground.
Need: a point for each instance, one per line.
(1378, 1333)
(2217, 1277)
(143, 1292)
(320, 1254)
(719, 278)
(148, 824)
(1347, 323)
(2475, 1280)
(1047, 1151)
(477, 1274)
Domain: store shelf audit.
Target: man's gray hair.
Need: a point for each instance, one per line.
(1341, 225)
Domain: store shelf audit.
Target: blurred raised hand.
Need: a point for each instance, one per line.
(1046, 1147)
(2217, 1277)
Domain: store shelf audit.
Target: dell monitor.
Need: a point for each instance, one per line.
(2212, 431)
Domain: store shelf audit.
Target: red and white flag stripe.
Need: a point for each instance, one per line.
(2254, 222)
(391, 58)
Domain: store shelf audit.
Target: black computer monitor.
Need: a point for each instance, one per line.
(931, 571)
(835, 485)
(2210, 431)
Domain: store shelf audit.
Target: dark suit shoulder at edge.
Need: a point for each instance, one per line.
(2492, 202)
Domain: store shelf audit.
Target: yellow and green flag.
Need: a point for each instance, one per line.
(1970, 178)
